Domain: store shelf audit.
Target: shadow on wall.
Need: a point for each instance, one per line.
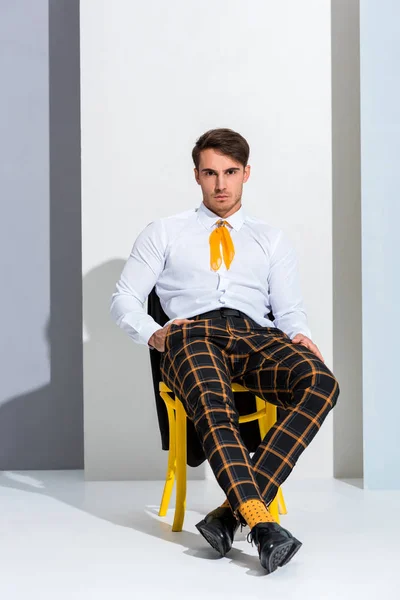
(122, 439)
(42, 428)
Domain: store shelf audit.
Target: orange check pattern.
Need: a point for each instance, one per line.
(200, 362)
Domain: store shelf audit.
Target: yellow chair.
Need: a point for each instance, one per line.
(266, 417)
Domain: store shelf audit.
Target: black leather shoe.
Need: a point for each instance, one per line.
(219, 528)
(276, 545)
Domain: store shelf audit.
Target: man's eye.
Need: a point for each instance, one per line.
(209, 173)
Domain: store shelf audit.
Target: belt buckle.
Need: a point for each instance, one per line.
(223, 310)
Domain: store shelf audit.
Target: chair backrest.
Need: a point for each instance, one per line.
(154, 308)
(195, 454)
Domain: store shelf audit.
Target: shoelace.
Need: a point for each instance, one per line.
(254, 535)
(240, 519)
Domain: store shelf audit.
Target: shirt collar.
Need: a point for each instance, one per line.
(208, 218)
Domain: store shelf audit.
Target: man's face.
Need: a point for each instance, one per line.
(221, 179)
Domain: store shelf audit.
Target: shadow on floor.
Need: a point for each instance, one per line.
(71, 488)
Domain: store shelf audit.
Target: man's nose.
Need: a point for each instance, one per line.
(220, 183)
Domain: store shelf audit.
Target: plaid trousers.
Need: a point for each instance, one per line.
(200, 362)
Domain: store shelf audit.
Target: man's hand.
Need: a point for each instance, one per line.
(305, 341)
(157, 340)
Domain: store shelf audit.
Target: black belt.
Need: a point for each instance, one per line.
(221, 313)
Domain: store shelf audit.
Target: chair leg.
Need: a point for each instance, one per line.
(273, 509)
(281, 502)
(271, 416)
(171, 467)
(180, 504)
(263, 423)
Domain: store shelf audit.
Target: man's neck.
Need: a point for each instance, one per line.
(225, 215)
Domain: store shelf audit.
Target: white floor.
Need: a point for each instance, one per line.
(64, 538)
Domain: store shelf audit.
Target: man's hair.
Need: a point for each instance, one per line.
(224, 141)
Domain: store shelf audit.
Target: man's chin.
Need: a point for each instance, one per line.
(224, 205)
(222, 202)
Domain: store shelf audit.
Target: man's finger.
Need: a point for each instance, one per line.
(314, 349)
(181, 321)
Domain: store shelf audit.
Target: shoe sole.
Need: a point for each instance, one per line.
(296, 547)
(280, 555)
(214, 538)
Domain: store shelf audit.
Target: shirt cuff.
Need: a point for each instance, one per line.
(305, 332)
(146, 331)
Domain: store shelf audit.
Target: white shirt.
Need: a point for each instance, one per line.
(173, 253)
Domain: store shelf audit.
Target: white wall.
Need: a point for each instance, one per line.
(155, 76)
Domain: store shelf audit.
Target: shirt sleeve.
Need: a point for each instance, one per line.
(138, 277)
(284, 290)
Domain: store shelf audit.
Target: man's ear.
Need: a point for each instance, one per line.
(196, 175)
(247, 170)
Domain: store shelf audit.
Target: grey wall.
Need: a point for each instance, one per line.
(346, 238)
(41, 423)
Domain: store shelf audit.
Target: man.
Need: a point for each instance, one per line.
(219, 273)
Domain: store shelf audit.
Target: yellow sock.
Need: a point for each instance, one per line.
(254, 512)
(225, 504)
